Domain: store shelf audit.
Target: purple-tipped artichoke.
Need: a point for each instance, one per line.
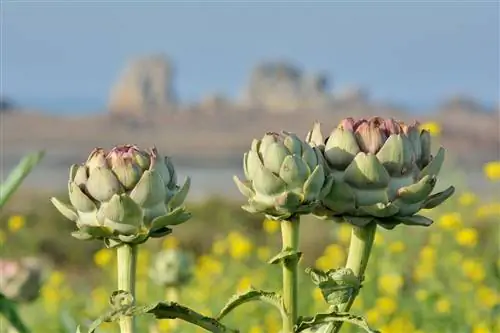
(383, 170)
(125, 195)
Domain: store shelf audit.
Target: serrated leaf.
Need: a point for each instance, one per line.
(8, 309)
(287, 254)
(250, 296)
(163, 310)
(304, 323)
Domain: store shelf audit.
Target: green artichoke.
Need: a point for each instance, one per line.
(383, 171)
(284, 176)
(124, 196)
(171, 268)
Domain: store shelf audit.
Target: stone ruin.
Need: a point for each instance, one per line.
(278, 86)
(146, 85)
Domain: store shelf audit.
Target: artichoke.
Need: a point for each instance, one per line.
(21, 280)
(285, 176)
(382, 171)
(171, 268)
(125, 195)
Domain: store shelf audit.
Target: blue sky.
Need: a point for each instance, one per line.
(66, 55)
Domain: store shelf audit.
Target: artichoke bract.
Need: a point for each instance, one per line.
(125, 195)
(383, 170)
(285, 176)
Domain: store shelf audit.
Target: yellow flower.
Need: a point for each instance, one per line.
(16, 222)
(271, 226)
(467, 237)
(421, 295)
(467, 199)
(345, 233)
(170, 242)
(443, 305)
(56, 278)
(244, 284)
(103, 257)
(397, 247)
(358, 304)
(239, 246)
(428, 254)
(255, 329)
(379, 239)
(372, 316)
(492, 170)
(100, 297)
(264, 253)
(487, 297)
(433, 127)
(481, 328)
(474, 270)
(490, 209)
(165, 326)
(208, 267)
(390, 284)
(318, 295)
(386, 305)
(273, 324)
(219, 247)
(450, 221)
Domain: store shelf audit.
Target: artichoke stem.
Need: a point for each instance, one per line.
(290, 238)
(127, 258)
(359, 253)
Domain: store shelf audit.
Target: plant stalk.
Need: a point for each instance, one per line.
(359, 253)
(290, 238)
(127, 259)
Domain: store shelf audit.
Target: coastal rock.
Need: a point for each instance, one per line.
(145, 85)
(278, 86)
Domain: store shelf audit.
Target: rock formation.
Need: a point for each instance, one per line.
(144, 86)
(278, 86)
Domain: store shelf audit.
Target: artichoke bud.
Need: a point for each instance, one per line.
(383, 170)
(315, 137)
(171, 268)
(337, 285)
(116, 196)
(21, 280)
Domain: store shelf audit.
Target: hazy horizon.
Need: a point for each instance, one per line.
(67, 55)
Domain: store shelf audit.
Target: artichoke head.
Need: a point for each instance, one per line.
(171, 268)
(382, 171)
(125, 195)
(285, 176)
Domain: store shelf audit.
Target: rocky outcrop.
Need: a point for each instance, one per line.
(279, 86)
(145, 85)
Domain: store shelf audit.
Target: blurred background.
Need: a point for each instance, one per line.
(200, 80)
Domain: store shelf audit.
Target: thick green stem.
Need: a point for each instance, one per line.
(127, 258)
(290, 237)
(359, 253)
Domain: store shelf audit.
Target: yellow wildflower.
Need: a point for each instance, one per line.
(400, 324)
(487, 297)
(271, 226)
(244, 284)
(264, 253)
(165, 326)
(239, 246)
(100, 297)
(170, 242)
(428, 254)
(335, 254)
(474, 270)
(450, 221)
(433, 127)
(372, 316)
(256, 329)
(103, 257)
(386, 305)
(421, 295)
(318, 295)
(207, 267)
(480, 328)
(273, 324)
(390, 284)
(492, 170)
(56, 278)
(467, 199)
(443, 305)
(379, 239)
(397, 247)
(16, 222)
(490, 209)
(467, 237)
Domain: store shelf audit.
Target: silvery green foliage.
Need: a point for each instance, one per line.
(337, 285)
(383, 171)
(125, 195)
(171, 268)
(284, 176)
(21, 280)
